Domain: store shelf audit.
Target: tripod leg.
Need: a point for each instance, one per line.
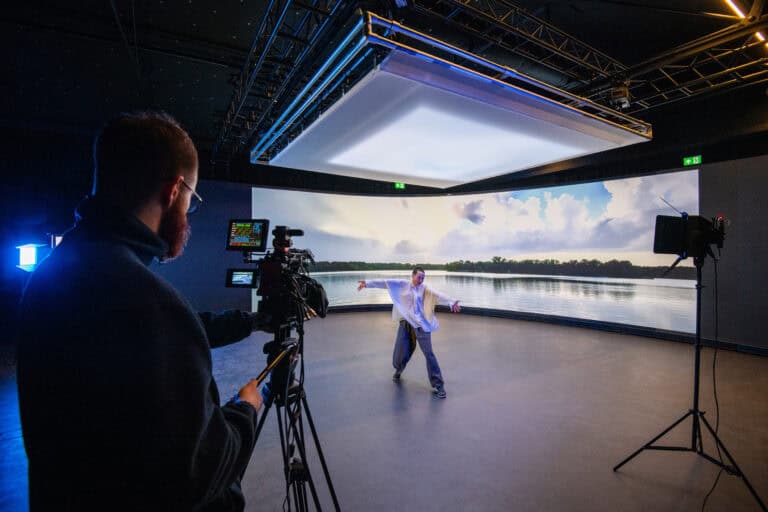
(296, 417)
(299, 496)
(286, 455)
(735, 466)
(320, 452)
(267, 406)
(302, 503)
(263, 418)
(697, 444)
(649, 443)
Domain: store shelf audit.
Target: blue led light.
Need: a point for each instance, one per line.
(359, 46)
(265, 141)
(27, 254)
(340, 79)
(28, 259)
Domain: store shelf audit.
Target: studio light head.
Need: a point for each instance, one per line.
(688, 235)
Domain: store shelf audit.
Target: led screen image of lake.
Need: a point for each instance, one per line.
(668, 304)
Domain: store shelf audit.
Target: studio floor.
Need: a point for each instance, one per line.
(536, 417)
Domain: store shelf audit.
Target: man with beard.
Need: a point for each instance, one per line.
(119, 408)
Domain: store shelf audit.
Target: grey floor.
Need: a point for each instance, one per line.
(536, 417)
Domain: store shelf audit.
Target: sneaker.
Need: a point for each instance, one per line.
(397, 374)
(440, 393)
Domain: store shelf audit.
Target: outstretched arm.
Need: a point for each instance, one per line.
(375, 283)
(449, 301)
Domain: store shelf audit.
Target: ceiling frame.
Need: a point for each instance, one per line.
(725, 59)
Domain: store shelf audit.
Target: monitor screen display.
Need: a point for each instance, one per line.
(242, 278)
(247, 235)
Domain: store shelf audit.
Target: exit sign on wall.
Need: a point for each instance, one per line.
(691, 160)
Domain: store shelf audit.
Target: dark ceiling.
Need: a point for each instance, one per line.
(75, 64)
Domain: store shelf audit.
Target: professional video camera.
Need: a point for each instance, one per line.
(289, 295)
(288, 298)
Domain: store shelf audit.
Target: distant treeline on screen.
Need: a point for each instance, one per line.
(499, 265)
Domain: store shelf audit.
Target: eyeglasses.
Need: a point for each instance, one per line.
(195, 202)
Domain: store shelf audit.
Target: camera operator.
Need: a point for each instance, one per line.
(119, 408)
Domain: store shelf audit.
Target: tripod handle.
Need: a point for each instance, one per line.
(265, 372)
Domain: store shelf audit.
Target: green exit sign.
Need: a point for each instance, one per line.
(691, 160)
(400, 186)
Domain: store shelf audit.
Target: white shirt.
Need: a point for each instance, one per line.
(408, 302)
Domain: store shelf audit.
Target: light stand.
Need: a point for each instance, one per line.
(696, 414)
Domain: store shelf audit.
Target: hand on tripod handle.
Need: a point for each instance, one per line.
(250, 393)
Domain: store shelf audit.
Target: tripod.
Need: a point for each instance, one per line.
(696, 414)
(287, 394)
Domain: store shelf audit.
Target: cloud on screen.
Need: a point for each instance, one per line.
(609, 220)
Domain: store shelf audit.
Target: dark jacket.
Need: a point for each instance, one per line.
(119, 408)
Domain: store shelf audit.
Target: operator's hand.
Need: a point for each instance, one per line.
(455, 308)
(361, 285)
(250, 393)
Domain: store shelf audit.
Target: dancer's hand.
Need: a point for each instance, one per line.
(455, 308)
(360, 285)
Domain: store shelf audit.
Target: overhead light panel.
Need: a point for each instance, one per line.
(417, 117)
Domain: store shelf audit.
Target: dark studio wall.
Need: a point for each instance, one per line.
(200, 272)
(736, 189)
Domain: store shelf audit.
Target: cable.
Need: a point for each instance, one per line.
(714, 391)
(714, 366)
(719, 473)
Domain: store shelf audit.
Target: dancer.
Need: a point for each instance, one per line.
(414, 308)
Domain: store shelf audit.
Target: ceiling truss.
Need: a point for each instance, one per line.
(276, 64)
(511, 28)
(293, 37)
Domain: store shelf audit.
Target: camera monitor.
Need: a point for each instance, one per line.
(242, 278)
(247, 235)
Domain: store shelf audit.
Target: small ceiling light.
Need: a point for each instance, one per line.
(735, 8)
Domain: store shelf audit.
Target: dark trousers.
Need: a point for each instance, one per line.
(405, 344)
